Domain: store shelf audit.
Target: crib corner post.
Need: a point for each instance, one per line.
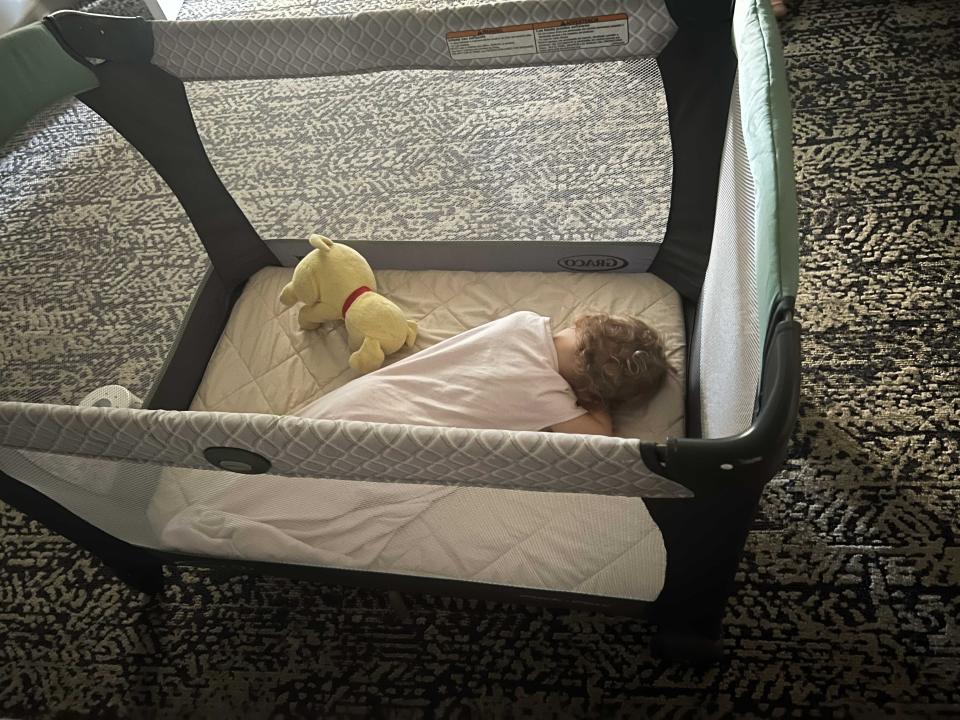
(688, 644)
(146, 578)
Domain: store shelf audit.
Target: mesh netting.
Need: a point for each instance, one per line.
(112, 496)
(99, 261)
(730, 344)
(582, 543)
(563, 153)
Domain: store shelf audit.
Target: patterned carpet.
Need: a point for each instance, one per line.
(848, 600)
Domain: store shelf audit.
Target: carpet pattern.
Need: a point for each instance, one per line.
(847, 603)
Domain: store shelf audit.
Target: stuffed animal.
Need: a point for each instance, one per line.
(334, 281)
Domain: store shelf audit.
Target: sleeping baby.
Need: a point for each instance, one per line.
(511, 374)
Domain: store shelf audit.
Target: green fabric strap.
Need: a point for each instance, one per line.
(765, 115)
(37, 72)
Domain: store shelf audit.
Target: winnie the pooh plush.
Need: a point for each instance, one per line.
(334, 281)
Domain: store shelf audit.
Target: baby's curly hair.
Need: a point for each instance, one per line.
(618, 359)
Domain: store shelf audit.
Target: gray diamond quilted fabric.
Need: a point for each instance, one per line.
(405, 38)
(344, 450)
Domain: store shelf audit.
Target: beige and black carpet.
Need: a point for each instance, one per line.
(848, 601)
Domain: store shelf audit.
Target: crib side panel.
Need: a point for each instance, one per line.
(516, 33)
(303, 447)
(751, 279)
(109, 495)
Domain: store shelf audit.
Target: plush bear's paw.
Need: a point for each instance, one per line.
(306, 321)
(368, 358)
(287, 296)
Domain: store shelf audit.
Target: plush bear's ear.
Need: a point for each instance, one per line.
(320, 242)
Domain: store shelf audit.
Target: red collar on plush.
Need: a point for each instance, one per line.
(353, 296)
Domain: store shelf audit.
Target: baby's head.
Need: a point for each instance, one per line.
(610, 359)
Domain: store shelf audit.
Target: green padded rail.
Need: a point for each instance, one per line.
(37, 72)
(765, 113)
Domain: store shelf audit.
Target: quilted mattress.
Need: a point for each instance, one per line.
(603, 545)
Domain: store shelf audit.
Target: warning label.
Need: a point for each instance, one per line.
(545, 37)
(581, 34)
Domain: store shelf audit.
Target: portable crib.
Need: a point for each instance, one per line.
(650, 523)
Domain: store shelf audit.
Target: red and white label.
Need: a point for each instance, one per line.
(540, 38)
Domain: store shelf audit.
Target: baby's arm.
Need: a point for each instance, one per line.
(592, 422)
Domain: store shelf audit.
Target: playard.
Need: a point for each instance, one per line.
(214, 468)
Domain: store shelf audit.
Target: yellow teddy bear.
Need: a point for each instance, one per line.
(334, 281)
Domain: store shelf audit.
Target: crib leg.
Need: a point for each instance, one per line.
(398, 608)
(688, 644)
(145, 578)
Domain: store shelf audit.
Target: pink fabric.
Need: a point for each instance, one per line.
(499, 375)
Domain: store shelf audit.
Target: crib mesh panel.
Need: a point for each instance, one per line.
(609, 546)
(110, 495)
(730, 343)
(90, 233)
(352, 450)
(554, 153)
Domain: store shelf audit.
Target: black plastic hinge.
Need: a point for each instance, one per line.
(102, 37)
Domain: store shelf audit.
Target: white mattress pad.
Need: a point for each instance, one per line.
(264, 363)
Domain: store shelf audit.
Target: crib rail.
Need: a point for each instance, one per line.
(304, 447)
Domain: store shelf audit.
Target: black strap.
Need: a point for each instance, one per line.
(104, 37)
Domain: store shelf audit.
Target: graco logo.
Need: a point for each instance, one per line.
(591, 263)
